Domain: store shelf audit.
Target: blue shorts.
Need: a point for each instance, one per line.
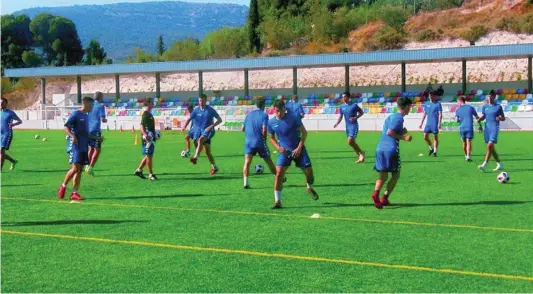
(352, 130)
(194, 134)
(428, 129)
(6, 140)
(302, 162)
(467, 135)
(93, 143)
(208, 136)
(148, 150)
(78, 157)
(388, 161)
(491, 136)
(261, 150)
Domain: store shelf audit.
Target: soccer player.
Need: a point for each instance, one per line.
(148, 141)
(388, 152)
(255, 131)
(192, 132)
(97, 116)
(433, 112)
(493, 114)
(77, 128)
(7, 118)
(464, 115)
(295, 107)
(351, 113)
(291, 136)
(203, 118)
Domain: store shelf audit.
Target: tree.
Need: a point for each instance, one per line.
(16, 38)
(224, 43)
(253, 27)
(140, 56)
(31, 59)
(40, 29)
(160, 46)
(95, 54)
(188, 49)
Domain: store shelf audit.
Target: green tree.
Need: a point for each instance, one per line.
(16, 38)
(40, 29)
(395, 17)
(253, 27)
(31, 59)
(160, 46)
(224, 43)
(188, 49)
(141, 56)
(95, 54)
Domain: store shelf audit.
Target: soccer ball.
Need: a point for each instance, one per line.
(157, 134)
(259, 169)
(503, 178)
(37, 137)
(44, 139)
(67, 137)
(185, 153)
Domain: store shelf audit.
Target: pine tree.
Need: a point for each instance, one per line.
(160, 46)
(253, 27)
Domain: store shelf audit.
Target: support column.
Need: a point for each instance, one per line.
(246, 84)
(200, 83)
(346, 78)
(295, 81)
(117, 87)
(43, 90)
(529, 74)
(404, 74)
(157, 85)
(78, 84)
(464, 76)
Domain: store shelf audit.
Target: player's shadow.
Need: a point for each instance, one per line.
(212, 178)
(21, 185)
(421, 161)
(70, 222)
(399, 205)
(46, 171)
(156, 196)
(349, 158)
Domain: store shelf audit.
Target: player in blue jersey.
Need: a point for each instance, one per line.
(291, 136)
(433, 112)
(203, 118)
(77, 128)
(388, 152)
(148, 141)
(255, 131)
(191, 134)
(9, 120)
(97, 116)
(295, 107)
(351, 112)
(493, 114)
(465, 114)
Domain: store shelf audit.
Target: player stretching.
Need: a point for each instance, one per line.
(97, 116)
(433, 111)
(77, 128)
(388, 152)
(464, 115)
(192, 133)
(493, 113)
(203, 118)
(295, 107)
(148, 141)
(351, 113)
(291, 139)
(7, 117)
(255, 130)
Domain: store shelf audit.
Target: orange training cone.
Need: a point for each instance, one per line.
(136, 140)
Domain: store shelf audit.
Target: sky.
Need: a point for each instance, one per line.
(10, 6)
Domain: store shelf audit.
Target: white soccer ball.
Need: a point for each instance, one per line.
(259, 169)
(184, 153)
(503, 178)
(44, 139)
(37, 137)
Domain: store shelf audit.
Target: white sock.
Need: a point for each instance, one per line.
(246, 181)
(277, 195)
(499, 164)
(430, 147)
(138, 170)
(187, 150)
(63, 185)
(213, 166)
(309, 186)
(435, 150)
(484, 164)
(467, 156)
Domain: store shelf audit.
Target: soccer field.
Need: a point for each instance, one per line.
(451, 228)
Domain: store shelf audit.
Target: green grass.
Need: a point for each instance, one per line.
(187, 207)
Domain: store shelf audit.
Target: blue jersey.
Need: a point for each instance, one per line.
(295, 108)
(466, 114)
(203, 118)
(395, 123)
(491, 112)
(287, 130)
(95, 117)
(7, 117)
(432, 110)
(349, 111)
(253, 128)
(78, 123)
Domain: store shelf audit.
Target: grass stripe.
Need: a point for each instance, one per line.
(393, 222)
(275, 255)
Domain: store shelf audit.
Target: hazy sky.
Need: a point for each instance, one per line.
(9, 6)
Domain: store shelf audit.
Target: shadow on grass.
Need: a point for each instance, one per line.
(47, 171)
(70, 222)
(157, 196)
(398, 205)
(22, 185)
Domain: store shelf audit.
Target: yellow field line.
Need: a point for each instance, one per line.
(278, 255)
(394, 222)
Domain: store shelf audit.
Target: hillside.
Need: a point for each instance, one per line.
(124, 26)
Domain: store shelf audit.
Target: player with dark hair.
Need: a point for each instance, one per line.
(192, 133)
(351, 113)
(77, 128)
(388, 152)
(295, 107)
(433, 112)
(148, 141)
(493, 114)
(465, 114)
(291, 136)
(203, 118)
(97, 116)
(7, 118)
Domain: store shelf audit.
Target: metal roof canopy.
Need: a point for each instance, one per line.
(473, 53)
